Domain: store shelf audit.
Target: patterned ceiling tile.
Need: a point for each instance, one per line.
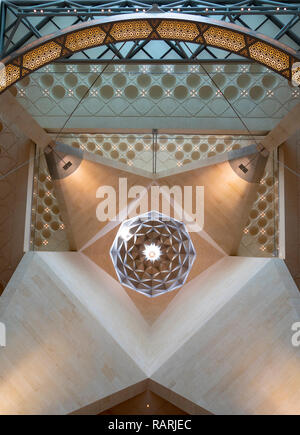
(161, 96)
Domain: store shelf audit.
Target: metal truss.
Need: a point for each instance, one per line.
(22, 22)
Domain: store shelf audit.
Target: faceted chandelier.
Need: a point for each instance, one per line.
(152, 253)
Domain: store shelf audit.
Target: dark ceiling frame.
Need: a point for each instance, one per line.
(148, 26)
(23, 12)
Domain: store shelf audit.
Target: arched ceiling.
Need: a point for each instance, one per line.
(148, 26)
(25, 21)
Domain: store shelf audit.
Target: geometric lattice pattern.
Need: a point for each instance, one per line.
(224, 39)
(260, 237)
(261, 233)
(172, 151)
(175, 30)
(48, 232)
(161, 96)
(164, 27)
(81, 40)
(265, 54)
(39, 56)
(152, 254)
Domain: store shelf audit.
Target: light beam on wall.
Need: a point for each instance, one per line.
(249, 163)
(62, 160)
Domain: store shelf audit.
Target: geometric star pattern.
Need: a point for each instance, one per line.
(164, 272)
(170, 91)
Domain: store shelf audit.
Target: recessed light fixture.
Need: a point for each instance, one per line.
(152, 252)
(67, 165)
(243, 168)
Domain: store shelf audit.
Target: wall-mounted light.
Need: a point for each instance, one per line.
(67, 166)
(249, 162)
(62, 160)
(243, 168)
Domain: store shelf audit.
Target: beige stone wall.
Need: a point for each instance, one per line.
(14, 151)
(291, 150)
(76, 341)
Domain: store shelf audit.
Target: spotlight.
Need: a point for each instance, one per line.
(152, 252)
(67, 165)
(62, 160)
(243, 168)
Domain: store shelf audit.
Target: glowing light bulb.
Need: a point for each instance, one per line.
(152, 252)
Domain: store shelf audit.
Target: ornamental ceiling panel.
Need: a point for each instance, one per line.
(169, 27)
(161, 96)
(85, 39)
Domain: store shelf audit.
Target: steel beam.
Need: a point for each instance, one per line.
(82, 10)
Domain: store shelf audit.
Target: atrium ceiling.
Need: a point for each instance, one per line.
(277, 20)
(159, 113)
